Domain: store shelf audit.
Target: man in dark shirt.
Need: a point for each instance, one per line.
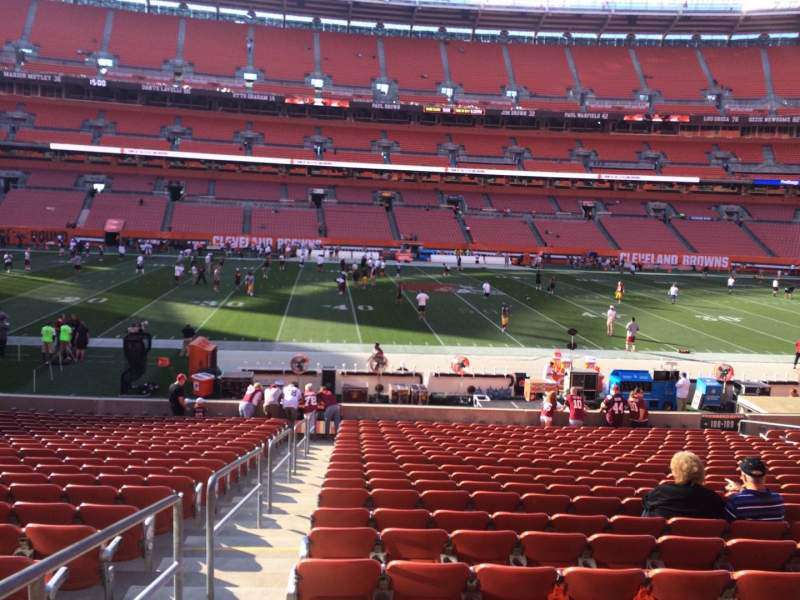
(752, 499)
(188, 332)
(613, 408)
(177, 396)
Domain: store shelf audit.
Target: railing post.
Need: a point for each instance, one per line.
(37, 590)
(270, 449)
(211, 500)
(290, 454)
(177, 549)
(259, 498)
(307, 441)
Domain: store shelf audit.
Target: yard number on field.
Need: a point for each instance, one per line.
(215, 303)
(361, 307)
(717, 318)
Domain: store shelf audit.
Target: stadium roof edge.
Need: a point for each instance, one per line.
(550, 16)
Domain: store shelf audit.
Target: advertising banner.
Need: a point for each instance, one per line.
(678, 261)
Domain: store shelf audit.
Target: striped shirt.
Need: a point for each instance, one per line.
(760, 505)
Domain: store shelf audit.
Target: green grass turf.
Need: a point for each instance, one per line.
(303, 306)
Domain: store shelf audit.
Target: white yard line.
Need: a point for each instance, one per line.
(541, 314)
(353, 309)
(676, 323)
(213, 312)
(424, 320)
(288, 304)
(66, 306)
(145, 307)
(477, 311)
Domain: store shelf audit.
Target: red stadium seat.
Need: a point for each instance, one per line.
(84, 571)
(343, 498)
(498, 582)
(585, 524)
(10, 565)
(391, 498)
(414, 544)
(389, 484)
(101, 516)
(451, 520)
(761, 585)
(544, 548)
(693, 553)
(406, 519)
(178, 484)
(696, 527)
(142, 496)
(97, 494)
(625, 524)
(520, 522)
(422, 581)
(596, 505)
(350, 579)
(340, 517)
(476, 547)
(760, 555)
(546, 503)
(615, 551)
(603, 584)
(758, 530)
(50, 513)
(341, 542)
(674, 584)
(445, 500)
(9, 538)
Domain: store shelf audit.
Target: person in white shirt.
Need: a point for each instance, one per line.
(272, 401)
(178, 272)
(631, 329)
(731, 283)
(611, 317)
(487, 289)
(422, 304)
(291, 401)
(682, 391)
(208, 261)
(775, 285)
(320, 261)
(673, 293)
(140, 264)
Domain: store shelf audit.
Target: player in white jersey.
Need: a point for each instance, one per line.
(140, 264)
(178, 272)
(731, 284)
(611, 317)
(673, 293)
(487, 289)
(775, 286)
(422, 304)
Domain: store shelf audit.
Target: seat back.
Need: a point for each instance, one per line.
(451, 520)
(675, 584)
(12, 564)
(520, 522)
(418, 581)
(413, 544)
(341, 542)
(501, 582)
(615, 551)
(603, 584)
(550, 549)
(761, 585)
(340, 517)
(693, 553)
(476, 547)
(142, 496)
(354, 579)
(385, 518)
(84, 571)
(101, 516)
(51, 513)
(760, 555)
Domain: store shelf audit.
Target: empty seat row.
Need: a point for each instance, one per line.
(359, 579)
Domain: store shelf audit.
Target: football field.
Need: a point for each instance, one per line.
(303, 306)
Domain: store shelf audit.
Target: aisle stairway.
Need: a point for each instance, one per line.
(250, 563)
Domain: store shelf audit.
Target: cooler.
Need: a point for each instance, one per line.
(203, 384)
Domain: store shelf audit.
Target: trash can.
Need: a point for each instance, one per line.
(203, 384)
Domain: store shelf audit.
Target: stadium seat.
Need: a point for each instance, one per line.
(492, 502)
(476, 547)
(405, 519)
(101, 516)
(761, 585)
(343, 498)
(630, 525)
(395, 498)
(353, 579)
(758, 530)
(434, 500)
(97, 494)
(10, 565)
(340, 517)
(674, 584)
(585, 524)
(500, 582)
(596, 505)
(9, 538)
(389, 484)
(696, 527)
(760, 555)
(550, 504)
(341, 542)
(86, 570)
(421, 581)
(414, 544)
(693, 553)
(602, 584)
(49, 513)
(520, 522)
(451, 520)
(35, 492)
(178, 484)
(545, 548)
(142, 496)
(615, 551)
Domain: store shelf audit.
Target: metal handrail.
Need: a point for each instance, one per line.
(271, 467)
(768, 424)
(33, 577)
(306, 433)
(211, 506)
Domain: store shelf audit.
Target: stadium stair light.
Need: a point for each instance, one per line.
(250, 76)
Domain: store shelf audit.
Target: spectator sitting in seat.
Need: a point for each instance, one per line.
(752, 499)
(687, 497)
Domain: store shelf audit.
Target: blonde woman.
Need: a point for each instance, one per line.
(687, 497)
(549, 407)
